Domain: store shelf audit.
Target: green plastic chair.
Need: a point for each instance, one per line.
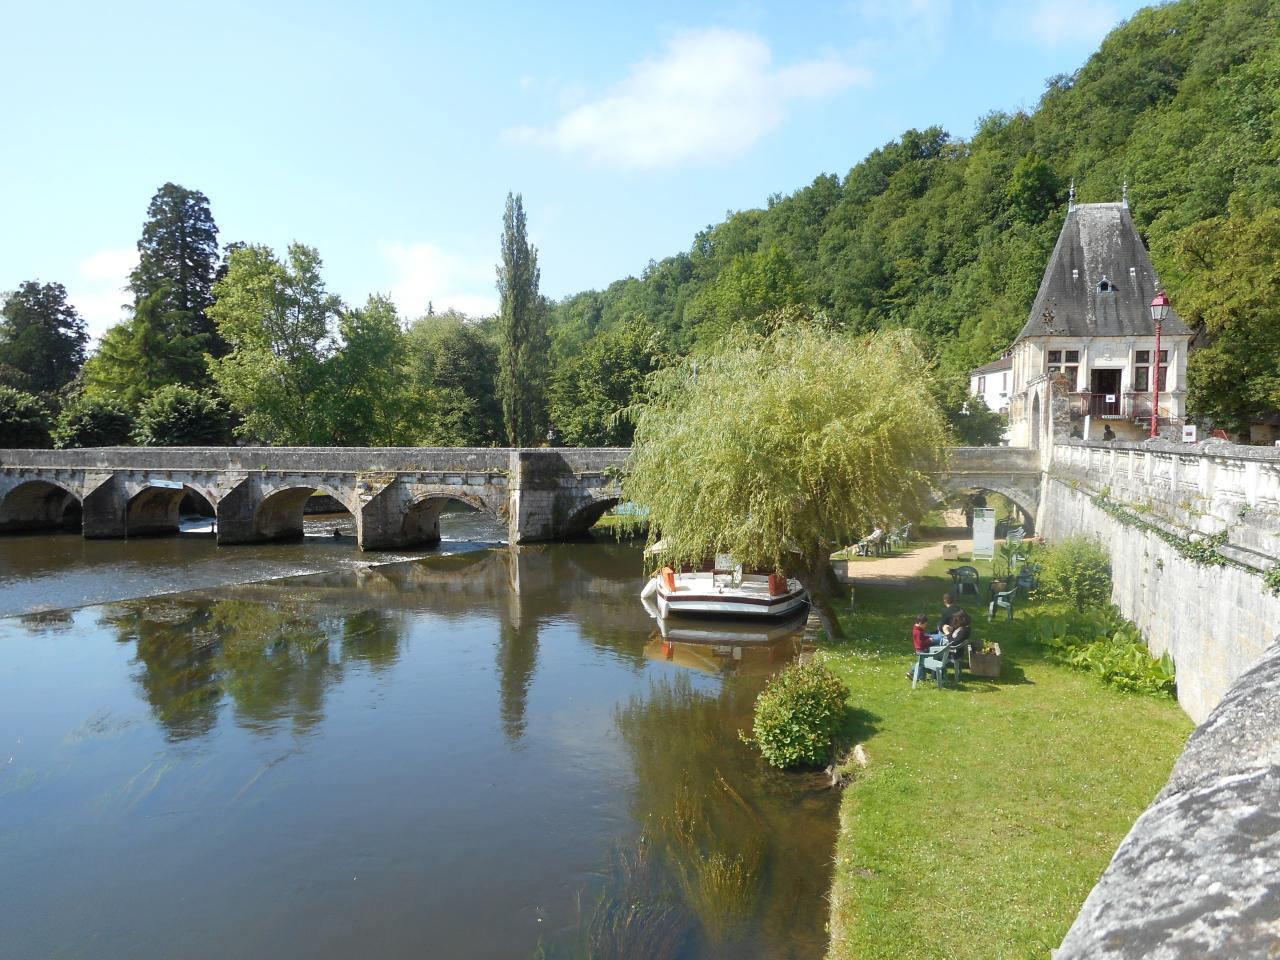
(965, 580)
(936, 661)
(1004, 599)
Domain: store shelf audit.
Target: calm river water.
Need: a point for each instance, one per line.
(484, 754)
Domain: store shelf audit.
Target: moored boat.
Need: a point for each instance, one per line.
(721, 593)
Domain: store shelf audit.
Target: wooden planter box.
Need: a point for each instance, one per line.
(986, 664)
(950, 551)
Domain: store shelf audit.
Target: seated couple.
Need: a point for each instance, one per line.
(953, 628)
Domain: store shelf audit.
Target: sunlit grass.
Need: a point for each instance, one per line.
(989, 811)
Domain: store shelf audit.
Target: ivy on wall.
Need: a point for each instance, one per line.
(1205, 550)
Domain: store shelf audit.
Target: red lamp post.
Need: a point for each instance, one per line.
(1159, 310)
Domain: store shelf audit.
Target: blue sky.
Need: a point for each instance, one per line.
(387, 134)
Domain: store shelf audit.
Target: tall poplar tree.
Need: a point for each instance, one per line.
(523, 344)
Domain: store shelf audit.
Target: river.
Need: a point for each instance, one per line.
(299, 750)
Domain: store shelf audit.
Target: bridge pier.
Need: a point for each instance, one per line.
(105, 507)
(399, 516)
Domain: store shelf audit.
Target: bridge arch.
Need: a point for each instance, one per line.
(420, 522)
(279, 514)
(156, 510)
(1026, 501)
(39, 505)
(585, 516)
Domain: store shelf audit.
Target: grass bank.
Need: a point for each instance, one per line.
(988, 811)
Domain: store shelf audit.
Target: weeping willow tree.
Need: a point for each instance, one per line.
(780, 448)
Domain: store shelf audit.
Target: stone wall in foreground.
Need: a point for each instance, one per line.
(1199, 874)
(1215, 621)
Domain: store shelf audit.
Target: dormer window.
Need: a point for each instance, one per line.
(1105, 285)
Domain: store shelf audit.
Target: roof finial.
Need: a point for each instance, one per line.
(1124, 194)
(1071, 196)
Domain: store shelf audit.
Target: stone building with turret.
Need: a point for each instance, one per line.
(1086, 357)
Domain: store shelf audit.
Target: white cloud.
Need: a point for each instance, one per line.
(98, 291)
(711, 94)
(423, 273)
(1054, 23)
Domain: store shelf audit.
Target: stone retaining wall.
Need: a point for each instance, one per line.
(1214, 621)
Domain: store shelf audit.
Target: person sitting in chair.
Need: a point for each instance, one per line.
(921, 640)
(949, 612)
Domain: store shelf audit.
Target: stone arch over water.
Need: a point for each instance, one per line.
(155, 510)
(420, 523)
(39, 505)
(279, 514)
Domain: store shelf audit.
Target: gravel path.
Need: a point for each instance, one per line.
(900, 569)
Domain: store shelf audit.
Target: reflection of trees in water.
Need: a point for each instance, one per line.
(178, 677)
(517, 661)
(713, 867)
(273, 660)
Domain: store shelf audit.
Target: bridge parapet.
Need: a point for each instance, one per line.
(1209, 488)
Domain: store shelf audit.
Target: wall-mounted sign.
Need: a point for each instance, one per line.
(1189, 433)
(165, 484)
(1111, 398)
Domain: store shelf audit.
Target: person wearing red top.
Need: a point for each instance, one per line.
(921, 640)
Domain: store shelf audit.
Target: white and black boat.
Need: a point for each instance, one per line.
(722, 593)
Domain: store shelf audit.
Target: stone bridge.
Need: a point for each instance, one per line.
(1013, 472)
(395, 494)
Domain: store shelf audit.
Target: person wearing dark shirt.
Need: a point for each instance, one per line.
(1108, 433)
(949, 611)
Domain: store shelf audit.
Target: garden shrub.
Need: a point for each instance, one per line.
(24, 420)
(1076, 570)
(1109, 646)
(93, 421)
(797, 715)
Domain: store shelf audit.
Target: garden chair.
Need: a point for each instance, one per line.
(965, 580)
(1003, 598)
(1027, 579)
(1015, 535)
(937, 660)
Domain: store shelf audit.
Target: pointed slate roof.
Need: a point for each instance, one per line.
(1099, 281)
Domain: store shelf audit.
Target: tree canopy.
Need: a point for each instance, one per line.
(178, 260)
(42, 338)
(781, 448)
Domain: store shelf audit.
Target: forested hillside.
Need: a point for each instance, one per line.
(950, 236)
(939, 234)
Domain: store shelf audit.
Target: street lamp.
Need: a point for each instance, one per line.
(1159, 310)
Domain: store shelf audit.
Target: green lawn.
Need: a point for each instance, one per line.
(987, 812)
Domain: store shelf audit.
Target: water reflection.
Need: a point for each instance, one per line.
(274, 661)
(367, 760)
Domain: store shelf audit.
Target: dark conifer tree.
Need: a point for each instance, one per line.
(178, 262)
(42, 338)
